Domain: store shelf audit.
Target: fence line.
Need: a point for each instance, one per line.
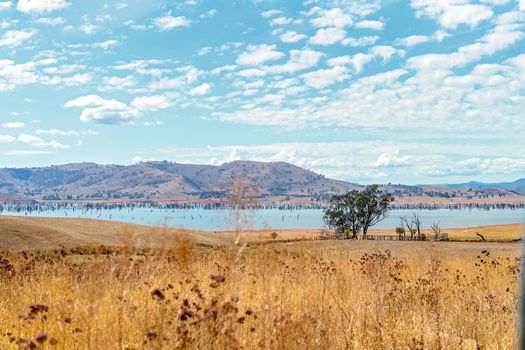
(422, 237)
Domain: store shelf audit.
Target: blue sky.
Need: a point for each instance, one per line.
(421, 91)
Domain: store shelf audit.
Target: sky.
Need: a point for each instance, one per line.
(369, 91)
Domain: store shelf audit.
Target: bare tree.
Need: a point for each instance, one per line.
(436, 228)
(409, 224)
(417, 223)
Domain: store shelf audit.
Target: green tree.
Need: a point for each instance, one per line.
(400, 231)
(373, 206)
(342, 215)
(356, 210)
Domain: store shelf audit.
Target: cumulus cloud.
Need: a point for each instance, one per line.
(111, 111)
(201, 90)
(335, 17)
(151, 103)
(362, 41)
(299, 60)
(327, 36)
(41, 6)
(291, 37)
(15, 38)
(105, 111)
(368, 24)
(4, 5)
(393, 159)
(325, 77)
(36, 141)
(271, 13)
(168, 22)
(359, 60)
(413, 40)
(106, 44)
(258, 54)
(118, 83)
(450, 14)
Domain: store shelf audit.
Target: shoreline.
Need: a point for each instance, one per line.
(37, 233)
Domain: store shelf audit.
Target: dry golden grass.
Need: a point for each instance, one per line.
(296, 295)
(500, 233)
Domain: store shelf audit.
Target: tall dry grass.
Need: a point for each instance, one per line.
(261, 298)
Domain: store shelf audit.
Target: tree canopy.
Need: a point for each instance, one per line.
(358, 210)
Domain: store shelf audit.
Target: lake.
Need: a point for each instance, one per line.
(225, 219)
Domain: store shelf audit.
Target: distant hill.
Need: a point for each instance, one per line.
(517, 186)
(174, 182)
(165, 181)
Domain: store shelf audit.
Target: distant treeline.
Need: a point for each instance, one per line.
(84, 207)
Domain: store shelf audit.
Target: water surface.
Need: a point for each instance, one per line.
(225, 219)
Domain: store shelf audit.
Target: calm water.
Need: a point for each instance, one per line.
(202, 219)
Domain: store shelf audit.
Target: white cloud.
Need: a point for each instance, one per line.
(280, 21)
(359, 60)
(452, 13)
(7, 139)
(335, 17)
(373, 25)
(74, 80)
(328, 36)
(151, 103)
(413, 40)
(139, 159)
(291, 37)
(258, 54)
(36, 141)
(325, 77)
(88, 28)
(41, 6)
(106, 44)
(14, 125)
(209, 14)
(168, 22)
(393, 159)
(4, 5)
(7, 24)
(57, 132)
(64, 69)
(271, 13)
(12, 75)
(15, 38)
(498, 38)
(299, 60)
(201, 90)
(51, 21)
(98, 109)
(362, 41)
(111, 111)
(118, 83)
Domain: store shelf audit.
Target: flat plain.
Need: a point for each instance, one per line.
(87, 284)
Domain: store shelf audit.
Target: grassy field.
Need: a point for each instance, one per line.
(198, 290)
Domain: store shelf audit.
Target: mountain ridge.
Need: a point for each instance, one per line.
(163, 181)
(517, 186)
